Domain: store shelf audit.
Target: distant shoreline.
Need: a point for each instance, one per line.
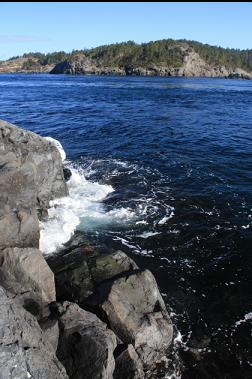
(168, 57)
(128, 75)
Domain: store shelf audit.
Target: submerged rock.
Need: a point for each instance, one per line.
(136, 312)
(86, 345)
(24, 352)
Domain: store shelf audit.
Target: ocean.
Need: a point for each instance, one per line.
(162, 169)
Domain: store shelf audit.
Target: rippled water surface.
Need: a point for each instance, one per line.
(178, 154)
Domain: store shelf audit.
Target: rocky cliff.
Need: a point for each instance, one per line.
(77, 315)
(156, 58)
(192, 65)
(24, 65)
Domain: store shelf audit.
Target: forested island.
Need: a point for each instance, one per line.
(166, 57)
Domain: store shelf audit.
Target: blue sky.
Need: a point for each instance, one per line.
(48, 27)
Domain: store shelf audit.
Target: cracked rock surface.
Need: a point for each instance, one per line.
(24, 352)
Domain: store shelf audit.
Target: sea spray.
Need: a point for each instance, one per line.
(83, 208)
(65, 214)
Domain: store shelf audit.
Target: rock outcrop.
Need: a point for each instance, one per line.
(128, 365)
(21, 65)
(85, 66)
(24, 351)
(31, 174)
(86, 345)
(145, 324)
(78, 271)
(111, 285)
(192, 66)
(25, 273)
(156, 58)
(122, 337)
(50, 329)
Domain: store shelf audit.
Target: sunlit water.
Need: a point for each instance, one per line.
(162, 169)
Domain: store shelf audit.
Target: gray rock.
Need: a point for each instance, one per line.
(136, 312)
(128, 365)
(50, 329)
(72, 276)
(74, 284)
(86, 345)
(81, 64)
(18, 227)
(192, 64)
(31, 174)
(24, 353)
(25, 273)
(239, 73)
(108, 266)
(78, 272)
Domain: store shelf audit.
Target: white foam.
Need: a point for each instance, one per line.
(82, 209)
(148, 234)
(166, 218)
(247, 317)
(66, 213)
(125, 242)
(178, 338)
(173, 376)
(246, 226)
(56, 143)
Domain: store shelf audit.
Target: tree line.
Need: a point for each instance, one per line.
(164, 52)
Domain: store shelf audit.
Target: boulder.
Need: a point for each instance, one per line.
(25, 273)
(24, 352)
(108, 266)
(72, 276)
(136, 312)
(74, 284)
(79, 271)
(31, 174)
(18, 227)
(86, 345)
(128, 365)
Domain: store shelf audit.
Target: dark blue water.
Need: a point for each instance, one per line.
(178, 153)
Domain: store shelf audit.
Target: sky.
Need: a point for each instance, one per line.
(47, 27)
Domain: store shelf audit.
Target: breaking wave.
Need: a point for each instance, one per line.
(83, 208)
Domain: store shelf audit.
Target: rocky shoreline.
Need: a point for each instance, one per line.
(193, 65)
(81, 312)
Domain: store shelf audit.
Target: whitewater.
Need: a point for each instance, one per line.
(83, 208)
